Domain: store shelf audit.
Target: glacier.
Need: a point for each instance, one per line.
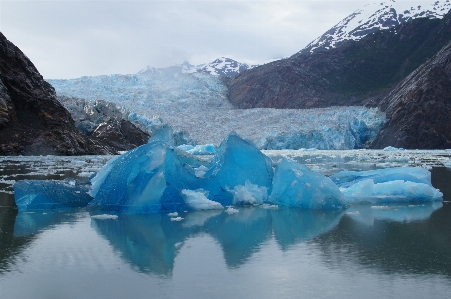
(159, 176)
(197, 103)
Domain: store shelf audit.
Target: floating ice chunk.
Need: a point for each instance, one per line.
(353, 213)
(269, 207)
(200, 171)
(104, 217)
(412, 174)
(385, 208)
(198, 200)
(231, 211)
(177, 219)
(50, 194)
(100, 176)
(390, 192)
(295, 185)
(134, 182)
(249, 194)
(236, 162)
(174, 214)
(391, 148)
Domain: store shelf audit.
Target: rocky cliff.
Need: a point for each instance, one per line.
(32, 121)
(105, 123)
(419, 109)
(355, 73)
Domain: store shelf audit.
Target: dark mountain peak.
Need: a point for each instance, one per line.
(375, 17)
(32, 121)
(419, 109)
(354, 73)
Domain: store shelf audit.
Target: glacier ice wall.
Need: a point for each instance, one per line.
(197, 104)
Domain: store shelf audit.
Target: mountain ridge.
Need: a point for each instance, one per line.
(221, 66)
(375, 17)
(418, 110)
(355, 73)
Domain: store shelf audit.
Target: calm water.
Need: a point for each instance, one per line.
(364, 252)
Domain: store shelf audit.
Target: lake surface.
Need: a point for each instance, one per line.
(396, 251)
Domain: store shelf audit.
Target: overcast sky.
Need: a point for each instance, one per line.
(70, 39)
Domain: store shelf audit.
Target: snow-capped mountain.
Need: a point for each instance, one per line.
(222, 66)
(374, 17)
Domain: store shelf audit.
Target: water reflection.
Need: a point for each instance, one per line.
(31, 223)
(398, 213)
(241, 234)
(405, 245)
(150, 242)
(395, 239)
(292, 226)
(10, 245)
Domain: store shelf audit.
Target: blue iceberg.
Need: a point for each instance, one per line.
(159, 176)
(50, 194)
(237, 161)
(296, 185)
(393, 185)
(346, 178)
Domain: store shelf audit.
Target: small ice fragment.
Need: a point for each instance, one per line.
(197, 199)
(353, 213)
(175, 214)
(268, 206)
(231, 211)
(385, 208)
(104, 216)
(177, 219)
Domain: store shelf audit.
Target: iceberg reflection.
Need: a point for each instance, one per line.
(398, 213)
(150, 242)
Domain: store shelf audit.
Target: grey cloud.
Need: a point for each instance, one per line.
(68, 39)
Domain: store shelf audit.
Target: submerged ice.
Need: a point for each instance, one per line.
(159, 176)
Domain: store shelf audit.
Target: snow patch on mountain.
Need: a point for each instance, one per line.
(222, 66)
(374, 17)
